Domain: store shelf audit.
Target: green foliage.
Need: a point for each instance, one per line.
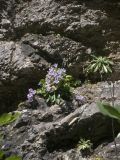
(61, 91)
(84, 144)
(53, 98)
(56, 86)
(75, 83)
(8, 117)
(101, 65)
(14, 157)
(41, 90)
(1, 154)
(108, 110)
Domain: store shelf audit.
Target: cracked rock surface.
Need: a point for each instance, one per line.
(37, 33)
(43, 132)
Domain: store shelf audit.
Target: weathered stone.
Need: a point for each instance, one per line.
(108, 151)
(50, 133)
(35, 34)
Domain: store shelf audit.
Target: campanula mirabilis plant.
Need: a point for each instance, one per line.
(56, 86)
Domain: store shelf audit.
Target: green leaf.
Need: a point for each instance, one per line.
(105, 69)
(109, 69)
(92, 66)
(1, 154)
(47, 100)
(42, 81)
(117, 107)
(96, 69)
(108, 110)
(57, 101)
(118, 136)
(41, 91)
(102, 70)
(110, 62)
(93, 56)
(54, 97)
(8, 117)
(68, 78)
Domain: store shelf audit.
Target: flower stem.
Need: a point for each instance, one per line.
(113, 130)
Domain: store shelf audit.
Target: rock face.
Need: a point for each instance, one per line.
(43, 132)
(53, 133)
(36, 33)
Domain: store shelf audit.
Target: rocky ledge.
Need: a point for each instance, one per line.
(46, 133)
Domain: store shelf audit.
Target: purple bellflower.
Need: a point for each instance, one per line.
(31, 94)
(80, 98)
(53, 77)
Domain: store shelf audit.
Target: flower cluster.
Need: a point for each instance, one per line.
(53, 78)
(30, 95)
(56, 87)
(80, 99)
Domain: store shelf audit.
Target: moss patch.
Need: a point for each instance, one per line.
(6, 118)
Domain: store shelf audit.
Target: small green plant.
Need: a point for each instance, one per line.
(6, 118)
(84, 144)
(100, 65)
